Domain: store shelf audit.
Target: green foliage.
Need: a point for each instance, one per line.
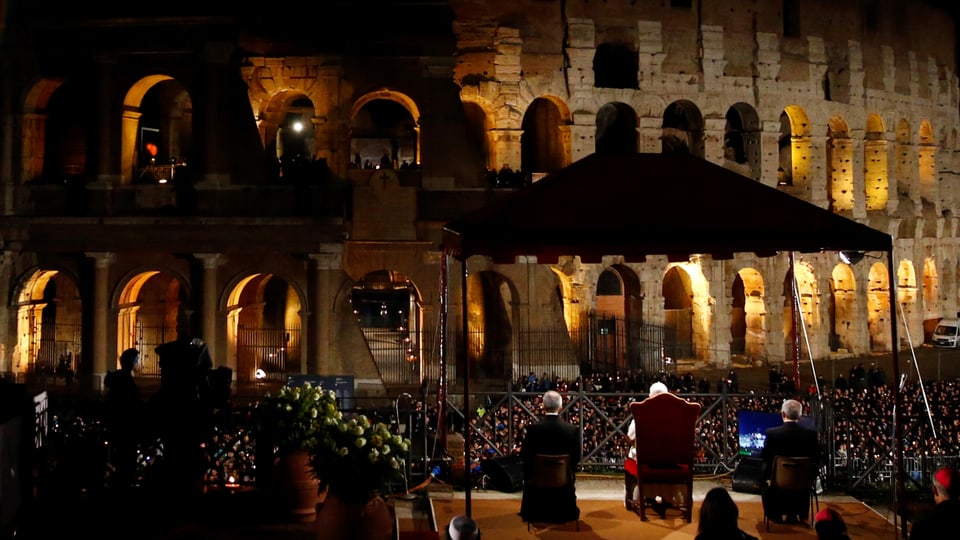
(292, 418)
(358, 459)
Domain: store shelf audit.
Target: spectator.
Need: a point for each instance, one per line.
(944, 519)
(124, 419)
(718, 518)
(830, 526)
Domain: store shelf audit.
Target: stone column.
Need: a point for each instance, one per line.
(208, 306)
(506, 144)
(101, 307)
(770, 153)
(713, 134)
(321, 286)
(108, 162)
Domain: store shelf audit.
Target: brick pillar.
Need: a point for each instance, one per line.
(101, 308)
(322, 292)
(208, 308)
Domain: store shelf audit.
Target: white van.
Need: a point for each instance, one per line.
(947, 333)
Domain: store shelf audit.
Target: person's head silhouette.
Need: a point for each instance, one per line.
(463, 528)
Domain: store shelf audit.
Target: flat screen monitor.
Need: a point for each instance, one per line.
(752, 429)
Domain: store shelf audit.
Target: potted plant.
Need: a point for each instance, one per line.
(288, 426)
(359, 462)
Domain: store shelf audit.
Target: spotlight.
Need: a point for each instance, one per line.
(851, 257)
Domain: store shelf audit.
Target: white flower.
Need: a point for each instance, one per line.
(344, 451)
(360, 442)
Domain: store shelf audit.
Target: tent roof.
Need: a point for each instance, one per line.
(636, 205)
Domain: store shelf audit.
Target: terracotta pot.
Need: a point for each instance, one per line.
(296, 487)
(373, 520)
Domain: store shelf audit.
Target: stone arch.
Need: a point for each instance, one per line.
(741, 140)
(687, 314)
(565, 293)
(493, 317)
(903, 143)
(619, 310)
(931, 297)
(875, 162)
(927, 163)
(545, 142)
(616, 129)
(264, 318)
(683, 129)
(878, 308)
(49, 150)
(748, 316)
(907, 293)
(808, 292)
(389, 310)
(49, 322)
(842, 309)
(616, 65)
(480, 126)
(287, 124)
(414, 128)
(156, 131)
(384, 132)
(794, 148)
(153, 307)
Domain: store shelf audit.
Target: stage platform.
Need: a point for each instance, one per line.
(603, 516)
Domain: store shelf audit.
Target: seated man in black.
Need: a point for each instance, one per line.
(551, 436)
(792, 440)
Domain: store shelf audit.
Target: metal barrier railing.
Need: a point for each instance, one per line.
(498, 421)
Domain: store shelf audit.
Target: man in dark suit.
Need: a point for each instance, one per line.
(552, 436)
(793, 440)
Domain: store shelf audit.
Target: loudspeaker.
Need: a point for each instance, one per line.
(748, 476)
(506, 473)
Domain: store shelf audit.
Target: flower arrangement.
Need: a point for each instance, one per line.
(358, 459)
(291, 419)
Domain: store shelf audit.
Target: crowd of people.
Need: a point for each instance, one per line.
(855, 414)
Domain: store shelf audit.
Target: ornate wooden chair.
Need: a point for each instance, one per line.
(666, 435)
(549, 493)
(793, 480)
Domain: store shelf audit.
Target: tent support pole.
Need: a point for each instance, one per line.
(795, 320)
(898, 497)
(465, 363)
(442, 343)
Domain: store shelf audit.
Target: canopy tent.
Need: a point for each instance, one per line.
(635, 205)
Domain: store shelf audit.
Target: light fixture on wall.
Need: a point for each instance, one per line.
(851, 257)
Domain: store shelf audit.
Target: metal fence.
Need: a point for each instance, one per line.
(497, 422)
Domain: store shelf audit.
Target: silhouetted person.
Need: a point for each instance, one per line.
(718, 518)
(789, 439)
(123, 420)
(462, 528)
(184, 416)
(830, 525)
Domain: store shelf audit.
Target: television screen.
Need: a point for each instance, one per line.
(752, 429)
